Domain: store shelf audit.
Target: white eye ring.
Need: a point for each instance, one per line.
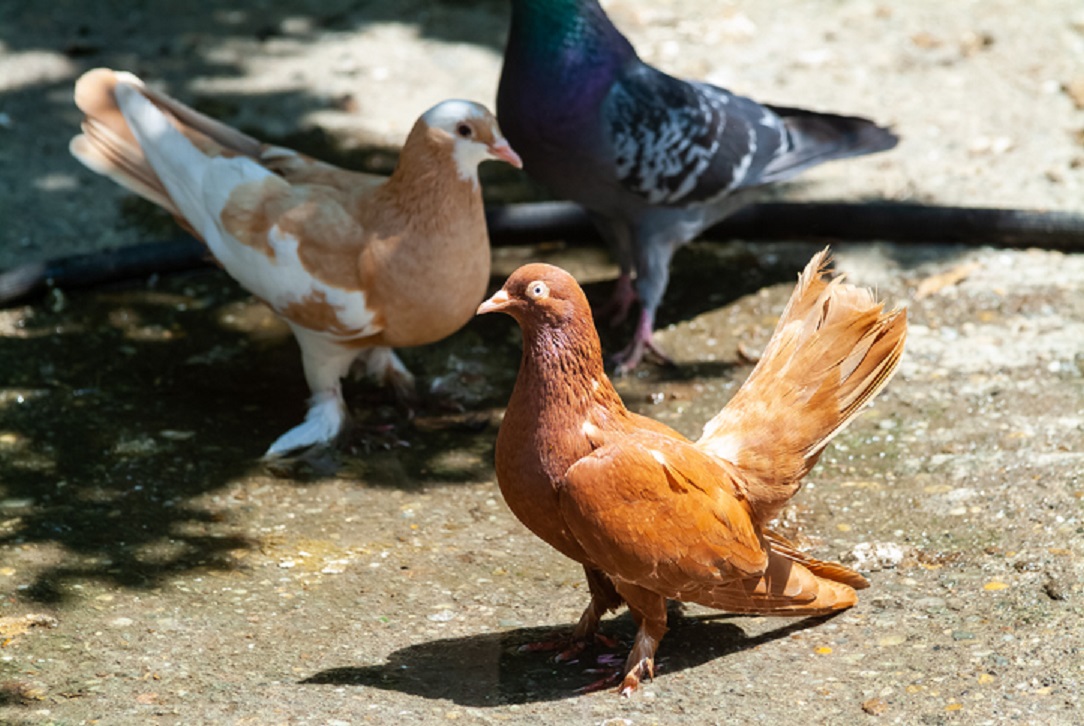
(538, 290)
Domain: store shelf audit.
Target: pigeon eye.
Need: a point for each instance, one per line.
(538, 290)
(464, 130)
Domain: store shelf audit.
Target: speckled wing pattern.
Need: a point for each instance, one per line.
(655, 511)
(678, 143)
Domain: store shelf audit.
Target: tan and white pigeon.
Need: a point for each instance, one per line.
(355, 264)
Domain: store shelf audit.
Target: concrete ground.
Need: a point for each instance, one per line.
(153, 571)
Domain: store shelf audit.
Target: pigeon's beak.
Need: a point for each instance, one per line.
(500, 149)
(496, 303)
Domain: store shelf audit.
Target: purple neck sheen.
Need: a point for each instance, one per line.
(561, 45)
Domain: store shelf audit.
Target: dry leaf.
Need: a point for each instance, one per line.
(19, 624)
(1075, 90)
(875, 706)
(925, 40)
(936, 283)
(21, 692)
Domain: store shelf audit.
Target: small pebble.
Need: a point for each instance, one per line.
(874, 556)
(1054, 588)
(442, 617)
(875, 706)
(173, 435)
(893, 639)
(1075, 90)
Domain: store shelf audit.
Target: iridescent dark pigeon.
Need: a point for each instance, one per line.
(654, 159)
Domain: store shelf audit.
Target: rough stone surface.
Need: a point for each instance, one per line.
(152, 571)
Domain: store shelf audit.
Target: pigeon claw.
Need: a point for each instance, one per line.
(628, 359)
(645, 669)
(568, 648)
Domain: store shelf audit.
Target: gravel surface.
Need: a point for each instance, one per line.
(153, 571)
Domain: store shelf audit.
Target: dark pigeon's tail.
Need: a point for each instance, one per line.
(819, 137)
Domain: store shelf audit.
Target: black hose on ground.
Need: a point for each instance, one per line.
(103, 266)
(518, 224)
(892, 222)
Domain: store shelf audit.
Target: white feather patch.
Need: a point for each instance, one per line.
(282, 279)
(468, 155)
(726, 447)
(294, 283)
(742, 167)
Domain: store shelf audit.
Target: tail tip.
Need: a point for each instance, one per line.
(95, 91)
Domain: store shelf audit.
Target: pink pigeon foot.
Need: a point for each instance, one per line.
(643, 342)
(569, 648)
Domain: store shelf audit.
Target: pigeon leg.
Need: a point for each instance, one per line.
(619, 238)
(382, 365)
(617, 307)
(649, 611)
(604, 598)
(325, 363)
(653, 255)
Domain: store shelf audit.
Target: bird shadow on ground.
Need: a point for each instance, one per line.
(491, 670)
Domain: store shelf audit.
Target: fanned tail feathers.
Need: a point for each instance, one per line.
(794, 584)
(110, 146)
(825, 570)
(833, 350)
(107, 144)
(788, 587)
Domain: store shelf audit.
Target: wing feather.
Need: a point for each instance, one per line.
(657, 512)
(678, 143)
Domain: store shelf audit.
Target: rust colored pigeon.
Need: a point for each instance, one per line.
(653, 516)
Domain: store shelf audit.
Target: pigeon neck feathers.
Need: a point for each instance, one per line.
(561, 393)
(567, 46)
(429, 175)
(561, 373)
(427, 155)
(563, 365)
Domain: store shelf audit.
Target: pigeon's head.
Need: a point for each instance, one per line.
(472, 133)
(540, 295)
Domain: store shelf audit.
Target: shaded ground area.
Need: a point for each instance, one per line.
(153, 571)
(190, 584)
